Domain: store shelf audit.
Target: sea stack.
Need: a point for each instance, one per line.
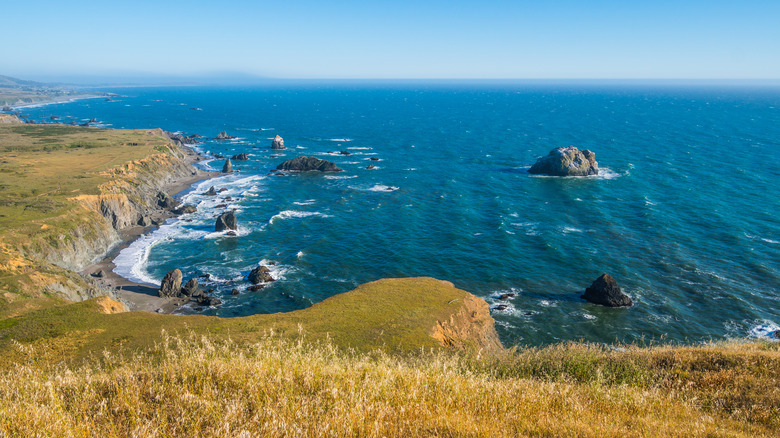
(568, 161)
(605, 291)
(228, 167)
(260, 274)
(304, 164)
(278, 143)
(226, 221)
(171, 284)
(224, 136)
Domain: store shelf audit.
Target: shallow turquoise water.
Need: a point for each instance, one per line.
(685, 215)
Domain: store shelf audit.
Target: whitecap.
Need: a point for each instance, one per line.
(383, 188)
(307, 202)
(340, 176)
(567, 230)
(764, 330)
(588, 316)
(339, 139)
(288, 214)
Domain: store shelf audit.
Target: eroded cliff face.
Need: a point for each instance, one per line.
(470, 326)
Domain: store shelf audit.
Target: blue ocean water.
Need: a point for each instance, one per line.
(684, 214)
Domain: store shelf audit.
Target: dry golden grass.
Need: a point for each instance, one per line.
(193, 386)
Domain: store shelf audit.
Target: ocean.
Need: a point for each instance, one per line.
(685, 213)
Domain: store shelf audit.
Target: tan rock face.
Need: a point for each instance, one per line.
(470, 325)
(278, 143)
(110, 306)
(568, 161)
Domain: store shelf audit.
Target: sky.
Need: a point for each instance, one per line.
(401, 39)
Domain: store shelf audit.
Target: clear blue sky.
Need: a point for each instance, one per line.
(394, 39)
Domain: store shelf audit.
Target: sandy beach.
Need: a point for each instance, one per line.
(141, 296)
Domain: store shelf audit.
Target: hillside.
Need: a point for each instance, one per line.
(14, 92)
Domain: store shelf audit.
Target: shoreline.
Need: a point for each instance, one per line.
(143, 296)
(54, 101)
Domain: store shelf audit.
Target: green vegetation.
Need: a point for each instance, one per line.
(42, 169)
(19, 92)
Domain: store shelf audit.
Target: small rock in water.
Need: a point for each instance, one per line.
(506, 296)
(374, 159)
(345, 153)
(256, 287)
(260, 274)
(211, 192)
(501, 307)
(278, 143)
(370, 167)
(234, 292)
(240, 157)
(605, 291)
(568, 161)
(224, 136)
(303, 164)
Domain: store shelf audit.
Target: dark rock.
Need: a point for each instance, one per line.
(186, 209)
(374, 159)
(206, 276)
(211, 192)
(171, 284)
(606, 291)
(501, 307)
(303, 164)
(234, 292)
(240, 157)
(370, 167)
(222, 190)
(85, 124)
(228, 198)
(164, 200)
(345, 153)
(506, 296)
(144, 221)
(93, 120)
(219, 156)
(220, 206)
(224, 136)
(568, 161)
(54, 118)
(274, 156)
(199, 309)
(190, 288)
(256, 287)
(260, 274)
(231, 233)
(278, 143)
(99, 274)
(227, 221)
(228, 167)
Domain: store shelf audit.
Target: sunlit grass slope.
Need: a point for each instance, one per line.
(190, 386)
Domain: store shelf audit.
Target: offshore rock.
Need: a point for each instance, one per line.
(304, 164)
(568, 161)
(185, 209)
(278, 143)
(224, 136)
(211, 192)
(226, 221)
(191, 288)
(605, 291)
(228, 167)
(240, 157)
(171, 284)
(260, 274)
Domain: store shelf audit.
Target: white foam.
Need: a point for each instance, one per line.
(588, 316)
(764, 330)
(307, 202)
(567, 230)
(131, 262)
(604, 173)
(338, 139)
(383, 188)
(288, 214)
(340, 176)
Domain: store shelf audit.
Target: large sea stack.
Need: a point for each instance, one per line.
(228, 167)
(304, 164)
(224, 136)
(278, 143)
(226, 221)
(606, 291)
(568, 161)
(171, 284)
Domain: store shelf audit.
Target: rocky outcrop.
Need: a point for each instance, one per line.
(278, 143)
(226, 221)
(470, 325)
(165, 201)
(304, 164)
(171, 284)
(224, 136)
(211, 192)
(186, 209)
(605, 291)
(240, 157)
(260, 274)
(568, 161)
(181, 139)
(228, 167)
